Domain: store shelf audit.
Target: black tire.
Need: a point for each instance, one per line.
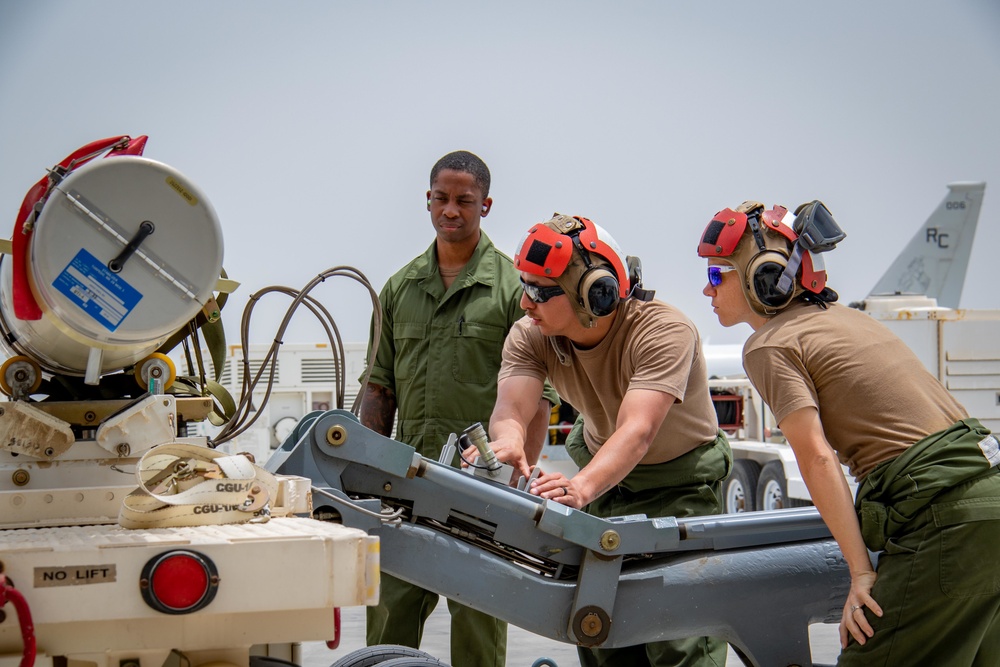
(739, 491)
(412, 662)
(772, 489)
(381, 654)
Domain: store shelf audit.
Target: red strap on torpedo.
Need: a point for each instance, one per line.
(25, 306)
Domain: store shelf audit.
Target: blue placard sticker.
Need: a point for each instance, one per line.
(94, 288)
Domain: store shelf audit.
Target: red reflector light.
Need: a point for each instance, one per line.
(179, 582)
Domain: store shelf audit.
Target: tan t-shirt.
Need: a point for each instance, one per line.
(650, 346)
(874, 396)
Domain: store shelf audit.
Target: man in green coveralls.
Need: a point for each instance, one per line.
(446, 315)
(649, 439)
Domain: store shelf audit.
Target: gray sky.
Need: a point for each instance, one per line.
(312, 126)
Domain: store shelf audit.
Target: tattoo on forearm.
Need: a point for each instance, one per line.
(378, 407)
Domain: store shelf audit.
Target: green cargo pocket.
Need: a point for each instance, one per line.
(970, 535)
(408, 338)
(873, 518)
(576, 445)
(478, 348)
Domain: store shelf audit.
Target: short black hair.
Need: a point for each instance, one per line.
(467, 162)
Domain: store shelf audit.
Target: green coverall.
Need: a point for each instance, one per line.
(690, 485)
(933, 515)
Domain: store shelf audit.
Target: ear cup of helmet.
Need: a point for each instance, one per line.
(763, 274)
(599, 291)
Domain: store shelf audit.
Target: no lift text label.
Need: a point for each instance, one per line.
(74, 575)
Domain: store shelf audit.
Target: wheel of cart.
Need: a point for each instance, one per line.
(388, 655)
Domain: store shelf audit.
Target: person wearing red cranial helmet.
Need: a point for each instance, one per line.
(845, 390)
(648, 439)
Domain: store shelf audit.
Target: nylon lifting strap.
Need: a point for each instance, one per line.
(190, 485)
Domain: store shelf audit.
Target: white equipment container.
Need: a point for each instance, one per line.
(124, 252)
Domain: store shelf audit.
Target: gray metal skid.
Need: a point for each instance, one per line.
(755, 580)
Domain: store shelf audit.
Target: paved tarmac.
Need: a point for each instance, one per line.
(523, 648)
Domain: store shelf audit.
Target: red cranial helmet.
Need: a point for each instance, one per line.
(776, 252)
(583, 259)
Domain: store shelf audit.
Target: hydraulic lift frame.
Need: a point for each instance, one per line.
(756, 580)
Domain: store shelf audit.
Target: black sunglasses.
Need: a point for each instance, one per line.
(540, 294)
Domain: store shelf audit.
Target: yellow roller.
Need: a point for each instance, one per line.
(20, 373)
(154, 364)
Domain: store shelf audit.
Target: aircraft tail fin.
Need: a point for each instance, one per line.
(935, 260)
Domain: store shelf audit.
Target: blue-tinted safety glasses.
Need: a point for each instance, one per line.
(539, 294)
(715, 274)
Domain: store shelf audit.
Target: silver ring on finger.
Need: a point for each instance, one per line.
(854, 608)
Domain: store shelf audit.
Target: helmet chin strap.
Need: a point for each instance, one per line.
(561, 354)
(585, 318)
